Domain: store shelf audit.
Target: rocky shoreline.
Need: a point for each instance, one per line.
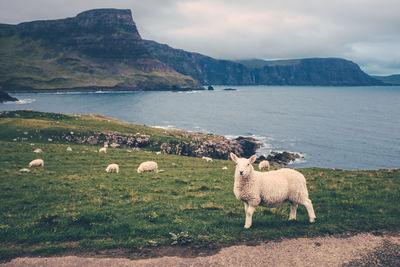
(197, 145)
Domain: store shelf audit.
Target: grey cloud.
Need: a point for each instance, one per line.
(365, 31)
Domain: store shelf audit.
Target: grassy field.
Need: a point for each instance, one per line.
(72, 203)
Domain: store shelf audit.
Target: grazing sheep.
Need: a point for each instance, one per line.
(264, 164)
(113, 168)
(103, 149)
(224, 168)
(269, 189)
(207, 159)
(24, 170)
(148, 166)
(38, 150)
(158, 153)
(114, 145)
(69, 148)
(36, 163)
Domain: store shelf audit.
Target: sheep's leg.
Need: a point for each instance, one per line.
(308, 204)
(293, 211)
(245, 207)
(249, 214)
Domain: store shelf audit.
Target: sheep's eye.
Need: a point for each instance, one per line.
(248, 164)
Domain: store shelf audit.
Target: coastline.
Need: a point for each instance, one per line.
(94, 89)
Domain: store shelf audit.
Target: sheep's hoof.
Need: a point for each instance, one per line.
(312, 220)
(247, 226)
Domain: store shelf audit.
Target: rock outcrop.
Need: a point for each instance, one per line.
(4, 97)
(280, 158)
(214, 146)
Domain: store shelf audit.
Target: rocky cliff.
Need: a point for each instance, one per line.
(310, 71)
(96, 49)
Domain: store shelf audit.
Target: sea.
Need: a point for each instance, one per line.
(331, 127)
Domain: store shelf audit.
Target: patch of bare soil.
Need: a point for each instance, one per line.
(366, 249)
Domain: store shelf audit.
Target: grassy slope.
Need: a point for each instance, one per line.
(72, 202)
(33, 66)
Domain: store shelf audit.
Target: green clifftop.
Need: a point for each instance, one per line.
(97, 49)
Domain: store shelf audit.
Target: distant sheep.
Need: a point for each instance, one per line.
(264, 164)
(158, 153)
(24, 170)
(113, 168)
(114, 145)
(36, 163)
(105, 144)
(69, 148)
(224, 168)
(103, 149)
(148, 166)
(269, 189)
(38, 150)
(207, 159)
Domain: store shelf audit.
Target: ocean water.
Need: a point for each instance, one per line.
(333, 127)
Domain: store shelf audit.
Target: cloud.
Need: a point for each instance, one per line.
(365, 31)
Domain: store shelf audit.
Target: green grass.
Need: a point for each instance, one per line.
(72, 202)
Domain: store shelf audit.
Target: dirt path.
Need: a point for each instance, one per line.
(368, 249)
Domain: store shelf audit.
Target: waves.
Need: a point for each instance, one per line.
(21, 101)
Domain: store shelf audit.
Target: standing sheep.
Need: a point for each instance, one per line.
(207, 159)
(148, 166)
(264, 164)
(269, 189)
(36, 163)
(38, 150)
(113, 168)
(103, 149)
(69, 148)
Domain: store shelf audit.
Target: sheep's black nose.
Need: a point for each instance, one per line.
(241, 173)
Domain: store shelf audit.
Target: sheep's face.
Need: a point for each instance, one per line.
(243, 166)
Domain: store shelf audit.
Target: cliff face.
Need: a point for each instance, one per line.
(98, 48)
(312, 71)
(206, 70)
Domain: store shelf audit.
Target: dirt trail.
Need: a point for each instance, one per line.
(367, 249)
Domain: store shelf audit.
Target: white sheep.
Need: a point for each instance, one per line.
(69, 148)
(105, 144)
(158, 153)
(103, 149)
(36, 163)
(269, 189)
(264, 164)
(148, 166)
(24, 170)
(113, 168)
(207, 159)
(38, 150)
(224, 168)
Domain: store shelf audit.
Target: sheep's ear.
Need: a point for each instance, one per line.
(253, 158)
(234, 157)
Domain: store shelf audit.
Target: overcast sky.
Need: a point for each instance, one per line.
(364, 31)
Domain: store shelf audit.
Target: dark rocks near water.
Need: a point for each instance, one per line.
(4, 97)
(210, 88)
(213, 146)
(186, 144)
(279, 158)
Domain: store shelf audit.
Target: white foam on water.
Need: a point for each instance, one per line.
(21, 101)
